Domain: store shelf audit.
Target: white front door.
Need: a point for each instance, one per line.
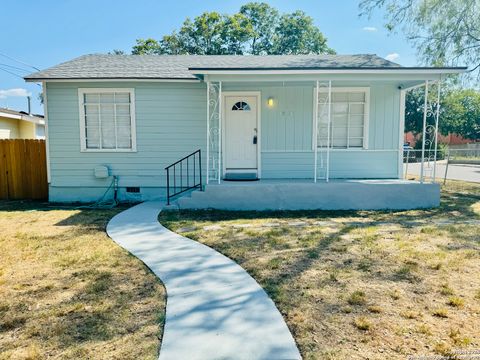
(241, 133)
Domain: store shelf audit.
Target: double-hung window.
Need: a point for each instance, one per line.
(348, 118)
(107, 119)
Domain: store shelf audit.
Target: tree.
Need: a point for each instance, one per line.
(445, 32)
(117, 52)
(296, 34)
(256, 29)
(264, 21)
(459, 112)
(414, 104)
(146, 47)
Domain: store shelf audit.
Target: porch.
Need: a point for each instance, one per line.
(303, 194)
(328, 142)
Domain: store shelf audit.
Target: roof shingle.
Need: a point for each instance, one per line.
(101, 66)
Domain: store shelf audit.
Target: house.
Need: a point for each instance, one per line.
(21, 125)
(315, 131)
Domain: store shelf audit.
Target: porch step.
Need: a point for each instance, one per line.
(245, 176)
(335, 195)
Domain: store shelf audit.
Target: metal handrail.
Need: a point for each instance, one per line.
(193, 179)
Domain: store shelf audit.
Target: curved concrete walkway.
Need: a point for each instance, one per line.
(215, 310)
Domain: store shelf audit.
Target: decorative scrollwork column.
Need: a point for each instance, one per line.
(323, 124)
(214, 124)
(431, 109)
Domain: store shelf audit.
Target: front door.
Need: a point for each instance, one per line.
(241, 133)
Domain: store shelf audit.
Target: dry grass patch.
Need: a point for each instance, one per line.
(69, 292)
(366, 284)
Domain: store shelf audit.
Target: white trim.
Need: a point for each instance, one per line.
(208, 132)
(332, 149)
(220, 142)
(366, 120)
(401, 129)
(315, 131)
(329, 71)
(422, 84)
(329, 130)
(437, 116)
(115, 80)
(258, 95)
(133, 132)
(24, 117)
(425, 105)
(47, 137)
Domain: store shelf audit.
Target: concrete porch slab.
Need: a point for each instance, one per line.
(307, 195)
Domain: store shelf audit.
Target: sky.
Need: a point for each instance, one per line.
(45, 33)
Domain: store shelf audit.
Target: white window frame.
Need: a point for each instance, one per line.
(83, 138)
(366, 122)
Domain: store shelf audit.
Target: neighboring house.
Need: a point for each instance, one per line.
(319, 131)
(20, 125)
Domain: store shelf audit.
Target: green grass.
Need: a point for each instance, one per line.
(352, 282)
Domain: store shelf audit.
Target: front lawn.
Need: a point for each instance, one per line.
(67, 291)
(363, 284)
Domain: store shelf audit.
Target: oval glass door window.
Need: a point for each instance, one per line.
(241, 106)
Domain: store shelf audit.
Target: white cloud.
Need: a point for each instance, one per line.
(392, 57)
(18, 92)
(369, 28)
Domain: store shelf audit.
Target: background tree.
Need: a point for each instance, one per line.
(264, 21)
(296, 34)
(459, 112)
(256, 29)
(445, 32)
(146, 47)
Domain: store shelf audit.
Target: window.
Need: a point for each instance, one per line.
(241, 105)
(349, 118)
(107, 119)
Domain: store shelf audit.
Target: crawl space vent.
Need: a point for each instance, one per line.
(133, 189)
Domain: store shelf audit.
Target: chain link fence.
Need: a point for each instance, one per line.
(444, 157)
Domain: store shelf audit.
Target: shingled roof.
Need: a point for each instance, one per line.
(184, 66)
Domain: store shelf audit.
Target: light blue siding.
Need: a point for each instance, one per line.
(287, 132)
(287, 125)
(171, 123)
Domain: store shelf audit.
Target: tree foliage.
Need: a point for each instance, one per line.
(445, 32)
(459, 112)
(256, 29)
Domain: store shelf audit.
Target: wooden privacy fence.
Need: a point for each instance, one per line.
(23, 169)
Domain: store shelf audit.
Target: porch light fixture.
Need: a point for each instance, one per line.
(270, 101)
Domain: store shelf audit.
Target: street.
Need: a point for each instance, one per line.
(455, 171)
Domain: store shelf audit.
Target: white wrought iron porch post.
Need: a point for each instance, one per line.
(437, 116)
(315, 132)
(208, 132)
(425, 109)
(219, 132)
(327, 176)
